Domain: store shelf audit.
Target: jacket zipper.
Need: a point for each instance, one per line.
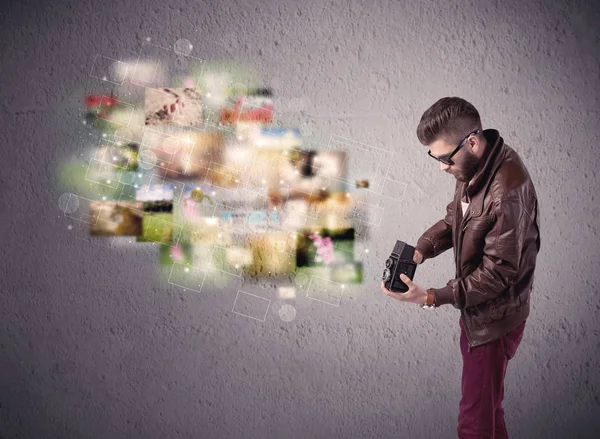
(462, 313)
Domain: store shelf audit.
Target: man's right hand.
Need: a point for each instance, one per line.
(417, 257)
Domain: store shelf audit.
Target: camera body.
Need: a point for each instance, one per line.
(400, 261)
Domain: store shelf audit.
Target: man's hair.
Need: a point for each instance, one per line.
(449, 119)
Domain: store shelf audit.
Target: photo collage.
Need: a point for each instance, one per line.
(221, 186)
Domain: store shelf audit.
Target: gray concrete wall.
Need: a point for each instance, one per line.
(92, 345)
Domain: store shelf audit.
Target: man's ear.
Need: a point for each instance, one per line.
(475, 145)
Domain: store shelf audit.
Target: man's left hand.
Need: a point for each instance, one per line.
(415, 294)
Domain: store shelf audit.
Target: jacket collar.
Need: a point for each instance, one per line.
(492, 157)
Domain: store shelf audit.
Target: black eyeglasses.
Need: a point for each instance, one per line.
(446, 158)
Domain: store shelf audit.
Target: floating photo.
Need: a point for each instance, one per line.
(245, 166)
(263, 220)
(237, 256)
(233, 259)
(309, 173)
(254, 221)
(319, 247)
(157, 222)
(347, 273)
(278, 139)
(197, 202)
(107, 113)
(116, 218)
(187, 155)
(294, 214)
(272, 254)
(207, 200)
(158, 213)
(333, 211)
(255, 106)
(180, 253)
(155, 193)
(208, 232)
(173, 106)
(119, 154)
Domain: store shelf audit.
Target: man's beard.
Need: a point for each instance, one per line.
(469, 169)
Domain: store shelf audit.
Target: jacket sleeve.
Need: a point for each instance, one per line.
(438, 238)
(500, 263)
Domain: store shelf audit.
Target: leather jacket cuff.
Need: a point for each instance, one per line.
(425, 247)
(444, 296)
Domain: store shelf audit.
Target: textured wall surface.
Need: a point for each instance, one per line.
(93, 346)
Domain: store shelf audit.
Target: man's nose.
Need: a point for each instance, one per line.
(443, 166)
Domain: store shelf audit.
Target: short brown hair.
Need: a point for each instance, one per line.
(450, 119)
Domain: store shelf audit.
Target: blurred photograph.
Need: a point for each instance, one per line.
(272, 254)
(309, 173)
(188, 155)
(255, 106)
(116, 218)
(318, 247)
(173, 106)
(119, 154)
(180, 253)
(278, 139)
(157, 205)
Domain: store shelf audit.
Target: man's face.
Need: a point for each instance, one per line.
(466, 162)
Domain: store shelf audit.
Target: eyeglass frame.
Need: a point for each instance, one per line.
(446, 159)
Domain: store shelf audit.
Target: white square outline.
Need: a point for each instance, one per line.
(327, 280)
(395, 181)
(108, 80)
(130, 113)
(183, 286)
(137, 62)
(176, 229)
(104, 142)
(118, 174)
(246, 315)
(195, 258)
(82, 213)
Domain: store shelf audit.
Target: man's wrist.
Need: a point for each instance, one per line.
(429, 299)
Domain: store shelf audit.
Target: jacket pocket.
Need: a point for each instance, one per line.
(481, 223)
(480, 315)
(473, 240)
(505, 305)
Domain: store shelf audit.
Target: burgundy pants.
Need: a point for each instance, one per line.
(480, 413)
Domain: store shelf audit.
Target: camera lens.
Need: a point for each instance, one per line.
(388, 263)
(386, 275)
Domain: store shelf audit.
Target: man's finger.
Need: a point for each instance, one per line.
(386, 291)
(404, 278)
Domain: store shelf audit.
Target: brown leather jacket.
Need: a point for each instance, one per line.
(495, 245)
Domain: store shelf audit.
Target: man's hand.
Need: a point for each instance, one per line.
(417, 257)
(415, 293)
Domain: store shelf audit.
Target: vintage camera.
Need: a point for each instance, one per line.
(401, 261)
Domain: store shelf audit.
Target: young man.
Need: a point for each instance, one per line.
(493, 225)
